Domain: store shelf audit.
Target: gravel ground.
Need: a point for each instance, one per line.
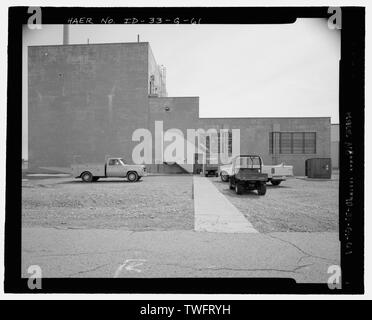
(109, 204)
(165, 203)
(296, 205)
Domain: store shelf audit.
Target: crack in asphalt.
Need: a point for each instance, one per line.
(303, 266)
(305, 254)
(294, 270)
(90, 253)
(88, 270)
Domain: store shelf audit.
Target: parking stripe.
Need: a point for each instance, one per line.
(214, 213)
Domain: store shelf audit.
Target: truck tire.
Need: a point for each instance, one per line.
(87, 176)
(132, 176)
(224, 176)
(275, 182)
(238, 189)
(261, 190)
(231, 187)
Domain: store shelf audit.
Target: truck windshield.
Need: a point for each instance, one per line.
(247, 162)
(122, 162)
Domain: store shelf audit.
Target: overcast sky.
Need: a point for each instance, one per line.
(236, 70)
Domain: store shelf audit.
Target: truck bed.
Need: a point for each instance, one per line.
(250, 175)
(278, 171)
(97, 170)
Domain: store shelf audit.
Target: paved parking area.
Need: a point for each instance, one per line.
(296, 205)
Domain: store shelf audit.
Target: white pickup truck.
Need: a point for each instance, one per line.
(113, 167)
(276, 173)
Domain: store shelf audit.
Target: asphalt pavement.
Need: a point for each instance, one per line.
(304, 257)
(222, 244)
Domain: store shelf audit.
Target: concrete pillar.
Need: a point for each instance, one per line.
(66, 31)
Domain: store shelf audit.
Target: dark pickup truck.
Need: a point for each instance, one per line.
(247, 174)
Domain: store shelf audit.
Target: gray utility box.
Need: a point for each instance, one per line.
(320, 168)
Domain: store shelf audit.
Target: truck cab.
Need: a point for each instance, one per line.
(210, 168)
(115, 167)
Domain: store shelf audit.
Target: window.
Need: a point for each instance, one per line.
(298, 142)
(207, 144)
(247, 162)
(309, 142)
(114, 162)
(152, 84)
(292, 142)
(229, 142)
(271, 144)
(285, 145)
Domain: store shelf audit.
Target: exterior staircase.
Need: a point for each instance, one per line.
(184, 168)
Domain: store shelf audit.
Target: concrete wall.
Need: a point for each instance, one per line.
(85, 100)
(89, 99)
(254, 137)
(335, 132)
(175, 113)
(335, 145)
(335, 154)
(183, 114)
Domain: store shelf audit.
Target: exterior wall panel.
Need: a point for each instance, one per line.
(89, 99)
(85, 100)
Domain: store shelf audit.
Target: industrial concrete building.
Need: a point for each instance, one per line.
(88, 99)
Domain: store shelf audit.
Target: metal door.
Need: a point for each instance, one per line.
(114, 168)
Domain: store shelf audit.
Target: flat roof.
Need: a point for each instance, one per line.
(90, 44)
(184, 97)
(265, 118)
